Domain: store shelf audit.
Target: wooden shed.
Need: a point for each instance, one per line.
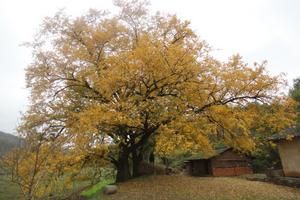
(226, 162)
(288, 144)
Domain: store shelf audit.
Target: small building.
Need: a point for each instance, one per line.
(288, 144)
(226, 162)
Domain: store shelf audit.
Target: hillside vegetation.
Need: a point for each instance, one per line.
(8, 190)
(8, 142)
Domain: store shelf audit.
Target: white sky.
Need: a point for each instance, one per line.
(257, 29)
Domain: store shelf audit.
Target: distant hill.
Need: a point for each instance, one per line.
(8, 142)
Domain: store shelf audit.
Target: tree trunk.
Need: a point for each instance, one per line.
(123, 171)
(166, 163)
(152, 158)
(136, 161)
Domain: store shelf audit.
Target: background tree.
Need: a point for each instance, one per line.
(48, 170)
(131, 78)
(295, 91)
(273, 120)
(295, 94)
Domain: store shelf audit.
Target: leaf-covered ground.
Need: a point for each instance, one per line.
(194, 188)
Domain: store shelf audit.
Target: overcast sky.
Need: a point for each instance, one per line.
(257, 29)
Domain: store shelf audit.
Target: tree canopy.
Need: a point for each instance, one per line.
(294, 93)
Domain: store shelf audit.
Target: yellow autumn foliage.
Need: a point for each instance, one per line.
(103, 80)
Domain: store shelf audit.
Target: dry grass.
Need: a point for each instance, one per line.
(193, 188)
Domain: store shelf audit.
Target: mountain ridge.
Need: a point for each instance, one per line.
(8, 142)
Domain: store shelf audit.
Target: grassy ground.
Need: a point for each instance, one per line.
(8, 190)
(193, 188)
(95, 192)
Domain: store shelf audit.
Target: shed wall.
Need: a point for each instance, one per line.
(230, 164)
(198, 168)
(232, 171)
(290, 156)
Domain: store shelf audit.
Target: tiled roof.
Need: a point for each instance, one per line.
(286, 134)
(205, 157)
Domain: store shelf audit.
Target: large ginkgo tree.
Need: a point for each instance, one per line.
(119, 82)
